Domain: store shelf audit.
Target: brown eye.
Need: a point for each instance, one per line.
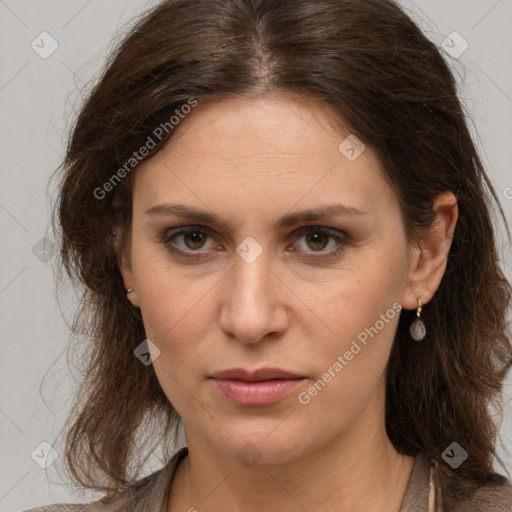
(313, 242)
(326, 243)
(191, 240)
(317, 241)
(194, 239)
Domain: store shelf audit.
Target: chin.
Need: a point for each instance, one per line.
(264, 445)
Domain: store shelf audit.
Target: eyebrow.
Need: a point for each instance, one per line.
(291, 219)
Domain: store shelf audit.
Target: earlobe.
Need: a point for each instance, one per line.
(132, 297)
(430, 257)
(129, 283)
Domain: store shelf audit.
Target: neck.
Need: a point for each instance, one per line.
(358, 471)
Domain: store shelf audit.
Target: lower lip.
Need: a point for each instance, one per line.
(257, 393)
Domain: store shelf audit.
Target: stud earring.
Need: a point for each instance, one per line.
(417, 328)
(130, 290)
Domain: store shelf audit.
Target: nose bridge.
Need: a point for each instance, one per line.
(251, 308)
(251, 271)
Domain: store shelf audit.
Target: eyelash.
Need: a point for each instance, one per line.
(167, 238)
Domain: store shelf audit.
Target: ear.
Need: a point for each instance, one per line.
(125, 266)
(429, 256)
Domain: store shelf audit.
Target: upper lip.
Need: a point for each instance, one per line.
(260, 374)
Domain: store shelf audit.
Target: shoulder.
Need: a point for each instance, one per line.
(468, 496)
(149, 493)
(95, 506)
(459, 496)
(61, 507)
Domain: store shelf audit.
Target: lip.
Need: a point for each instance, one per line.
(258, 375)
(263, 386)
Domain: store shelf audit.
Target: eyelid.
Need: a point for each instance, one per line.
(183, 230)
(339, 236)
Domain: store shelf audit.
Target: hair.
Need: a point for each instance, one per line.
(375, 70)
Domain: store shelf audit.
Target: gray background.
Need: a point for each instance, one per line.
(38, 98)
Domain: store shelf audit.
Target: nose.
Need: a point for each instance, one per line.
(253, 304)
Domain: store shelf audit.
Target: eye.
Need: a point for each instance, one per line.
(193, 241)
(318, 239)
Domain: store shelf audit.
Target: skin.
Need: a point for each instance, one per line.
(252, 161)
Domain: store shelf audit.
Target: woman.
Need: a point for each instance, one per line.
(284, 233)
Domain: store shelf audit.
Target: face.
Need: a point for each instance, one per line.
(253, 283)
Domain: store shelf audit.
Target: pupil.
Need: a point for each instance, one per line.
(196, 239)
(317, 237)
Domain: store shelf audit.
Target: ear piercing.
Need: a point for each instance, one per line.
(130, 290)
(417, 329)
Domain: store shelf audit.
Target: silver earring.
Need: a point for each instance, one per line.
(417, 329)
(130, 290)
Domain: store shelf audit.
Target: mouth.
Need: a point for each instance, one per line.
(258, 375)
(263, 386)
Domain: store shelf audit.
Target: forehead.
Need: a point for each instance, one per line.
(269, 126)
(272, 149)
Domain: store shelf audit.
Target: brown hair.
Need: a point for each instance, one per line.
(377, 72)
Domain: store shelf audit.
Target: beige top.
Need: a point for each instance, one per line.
(151, 493)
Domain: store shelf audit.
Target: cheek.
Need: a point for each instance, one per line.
(176, 311)
(369, 285)
(176, 316)
(176, 306)
(351, 362)
(361, 307)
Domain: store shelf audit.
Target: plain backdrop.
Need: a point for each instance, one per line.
(38, 97)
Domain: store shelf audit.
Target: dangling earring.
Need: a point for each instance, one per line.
(417, 329)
